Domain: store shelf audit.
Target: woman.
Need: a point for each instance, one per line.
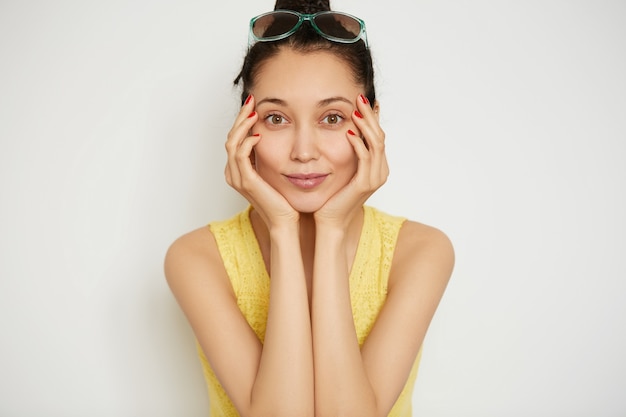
(309, 302)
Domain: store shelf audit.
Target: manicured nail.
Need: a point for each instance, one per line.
(248, 99)
(364, 99)
(350, 132)
(357, 114)
(257, 134)
(251, 115)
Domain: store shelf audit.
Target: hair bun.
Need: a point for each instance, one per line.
(303, 6)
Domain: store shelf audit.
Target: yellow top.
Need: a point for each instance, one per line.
(244, 264)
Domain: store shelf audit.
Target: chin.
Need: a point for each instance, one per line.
(307, 208)
(307, 205)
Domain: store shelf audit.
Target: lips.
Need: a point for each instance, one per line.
(306, 181)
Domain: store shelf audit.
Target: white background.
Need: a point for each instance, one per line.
(506, 127)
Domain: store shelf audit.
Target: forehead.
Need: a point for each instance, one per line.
(312, 73)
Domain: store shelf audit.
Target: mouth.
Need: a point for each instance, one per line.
(306, 181)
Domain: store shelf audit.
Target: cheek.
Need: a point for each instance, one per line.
(351, 164)
(339, 150)
(266, 157)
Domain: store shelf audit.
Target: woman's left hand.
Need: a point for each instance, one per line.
(372, 169)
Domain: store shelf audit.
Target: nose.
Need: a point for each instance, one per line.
(305, 145)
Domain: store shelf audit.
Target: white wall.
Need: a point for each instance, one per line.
(506, 128)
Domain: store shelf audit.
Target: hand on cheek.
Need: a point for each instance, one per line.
(241, 172)
(367, 140)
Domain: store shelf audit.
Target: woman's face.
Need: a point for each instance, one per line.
(305, 103)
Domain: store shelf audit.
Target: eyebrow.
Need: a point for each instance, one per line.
(322, 103)
(331, 100)
(272, 101)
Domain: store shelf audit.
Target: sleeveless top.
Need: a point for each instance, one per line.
(246, 270)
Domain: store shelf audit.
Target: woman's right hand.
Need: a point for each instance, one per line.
(241, 175)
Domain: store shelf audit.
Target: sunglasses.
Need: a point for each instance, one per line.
(280, 24)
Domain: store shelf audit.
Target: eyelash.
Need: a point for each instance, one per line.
(270, 119)
(339, 117)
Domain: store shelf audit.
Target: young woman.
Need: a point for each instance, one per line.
(309, 302)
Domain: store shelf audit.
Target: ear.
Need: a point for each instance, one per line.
(376, 109)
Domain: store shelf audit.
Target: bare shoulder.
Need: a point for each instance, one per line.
(422, 253)
(417, 237)
(193, 259)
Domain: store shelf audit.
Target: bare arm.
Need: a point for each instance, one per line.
(342, 385)
(366, 382)
(271, 379)
(285, 376)
(276, 378)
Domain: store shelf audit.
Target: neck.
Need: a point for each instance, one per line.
(307, 227)
(307, 237)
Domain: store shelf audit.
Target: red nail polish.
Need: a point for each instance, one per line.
(257, 134)
(251, 115)
(357, 114)
(364, 99)
(248, 99)
(350, 132)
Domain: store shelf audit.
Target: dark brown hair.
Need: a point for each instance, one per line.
(356, 55)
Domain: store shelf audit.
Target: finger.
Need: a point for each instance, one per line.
(366, 121)
(372, 134)
(240, 130)
(362, 177)
(243, 158)
(243, 122)
(246, 109)
(359, 146)
(238, 134)
(239, 166)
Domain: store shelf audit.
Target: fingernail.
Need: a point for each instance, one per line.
(251, 115)
(248, 99)
(364, 99)
(357, 114)
(257, 134)
(350, 132)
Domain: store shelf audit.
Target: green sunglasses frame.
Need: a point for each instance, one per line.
(307, 18)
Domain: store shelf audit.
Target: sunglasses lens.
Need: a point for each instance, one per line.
(339, 25)
(274, 24)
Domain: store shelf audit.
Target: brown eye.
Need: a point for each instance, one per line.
(275, 119)
(333, 119)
